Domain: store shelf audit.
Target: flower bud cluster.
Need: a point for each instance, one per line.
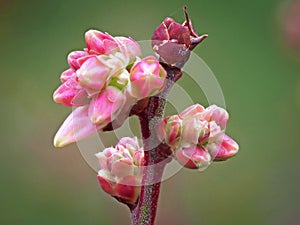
(120, 172)
(197, 136)
(103, 82)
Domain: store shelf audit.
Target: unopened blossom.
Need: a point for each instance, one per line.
(202, 137)
(120, 170)
(105, 107)
(217, 114)
(75, 59)
(194, 157)
(70, 93)
(100, 43)
(194, 130)
(147, 78)
(170, 130)
(224, 149)
(67, 74)
(93, 75)
(192, 111)
(77, 126)
(129, 47)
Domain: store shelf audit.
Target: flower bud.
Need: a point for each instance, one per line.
(128, 189)
(193, 157)
(120, 174)
(217, 114)
(123, 114)
(76, 127)
(106, 181)
(194, 129)
(129, 47)
(215, 133)
(67, 74)
(224, 149)
(147, 78)
(70, 94)
(106, 106)
(74, 57)
(131, 144)
(100, 43)
(93, 75)
(169, 131)
(192, 112)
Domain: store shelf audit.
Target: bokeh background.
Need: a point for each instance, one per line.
(253, 49)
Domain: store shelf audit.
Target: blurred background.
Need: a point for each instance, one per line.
(253, 49)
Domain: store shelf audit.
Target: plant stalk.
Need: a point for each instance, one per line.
(156, 157)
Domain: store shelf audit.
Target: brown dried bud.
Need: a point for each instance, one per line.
(172, 42)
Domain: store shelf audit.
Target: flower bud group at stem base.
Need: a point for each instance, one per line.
(106, 79)
(197, 136)
(120, 172)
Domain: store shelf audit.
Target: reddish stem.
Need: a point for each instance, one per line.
(155, 158)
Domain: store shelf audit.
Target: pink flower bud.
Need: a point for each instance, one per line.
(106, 106)
(67, 74)
(106, 182)
(120, 174)
(194, 130)
(100, 43)
(193, 157)
(128, 189)
(217, 114)
(74, 57)
(147, 77)
(129, 47)
(192, 112)
(76, 127)
(93, 75)
(123, 114)
(131, 144)
(215, 133)
(169, 131)
(70, 94)
(223, 150)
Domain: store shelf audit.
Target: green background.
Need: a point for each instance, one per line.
(260, 78)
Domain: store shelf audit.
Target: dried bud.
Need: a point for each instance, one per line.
(173, 42)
